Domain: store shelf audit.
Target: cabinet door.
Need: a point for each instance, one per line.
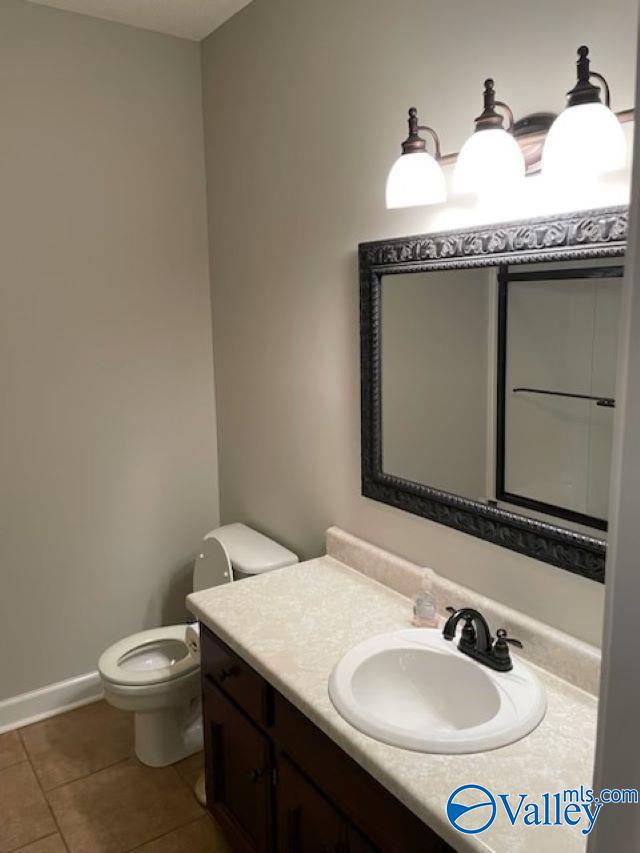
(307, 822)
(238, 773)
(357, 843)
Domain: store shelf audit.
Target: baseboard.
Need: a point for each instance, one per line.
(48, 701)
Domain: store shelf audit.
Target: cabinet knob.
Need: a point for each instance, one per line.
(227, 672)
(257, 773)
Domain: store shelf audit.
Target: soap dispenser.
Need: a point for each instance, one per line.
(425, 612)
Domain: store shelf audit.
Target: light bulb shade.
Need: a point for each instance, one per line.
(490, 161)
(415, 179)
(583, 143)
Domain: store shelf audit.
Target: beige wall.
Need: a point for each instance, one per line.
(107, 424)
(305, 104)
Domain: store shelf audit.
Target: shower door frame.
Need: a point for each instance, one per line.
(506, 275)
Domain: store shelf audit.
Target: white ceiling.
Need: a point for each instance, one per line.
(191, 19)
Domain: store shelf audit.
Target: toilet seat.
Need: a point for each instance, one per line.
(149, 657)
(155, 675)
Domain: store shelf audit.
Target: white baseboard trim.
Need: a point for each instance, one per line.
(48, 701)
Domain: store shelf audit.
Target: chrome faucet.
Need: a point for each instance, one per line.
(476, 640)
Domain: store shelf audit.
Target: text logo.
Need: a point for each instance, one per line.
(471, 809)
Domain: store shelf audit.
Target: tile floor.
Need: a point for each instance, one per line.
(71, 784)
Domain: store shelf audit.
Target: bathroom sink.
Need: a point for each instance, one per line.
(414, 689)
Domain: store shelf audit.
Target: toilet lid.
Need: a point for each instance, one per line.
(212, 566)
(149, 657)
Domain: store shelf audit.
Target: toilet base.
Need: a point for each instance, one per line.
(167, 716)
(201, 790)
(165, 736)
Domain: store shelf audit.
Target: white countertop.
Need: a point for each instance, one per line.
(293, 625)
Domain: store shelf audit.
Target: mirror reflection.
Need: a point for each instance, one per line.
(498, 384)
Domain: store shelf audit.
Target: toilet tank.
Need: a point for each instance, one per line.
(236, 551)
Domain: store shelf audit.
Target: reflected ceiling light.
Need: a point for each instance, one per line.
(490, 159)
(586, 140)
(416, 177)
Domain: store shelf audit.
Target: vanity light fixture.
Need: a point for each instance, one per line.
(490, 159)
(416, 177)
(586, 140)
(583, 143)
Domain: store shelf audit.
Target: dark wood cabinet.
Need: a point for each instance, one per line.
(239, 681)
(239, 772)
(277, 784)
(306, 819)
(357, 843)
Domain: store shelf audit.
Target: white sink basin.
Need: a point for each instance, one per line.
(414, 689)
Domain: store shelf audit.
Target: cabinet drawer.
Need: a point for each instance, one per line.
(236, 678)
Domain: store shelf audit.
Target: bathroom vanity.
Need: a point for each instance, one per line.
(286, 772)
(274, 781)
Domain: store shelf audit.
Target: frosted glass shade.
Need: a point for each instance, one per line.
(490, 160)
(584, 142)
(415, 179)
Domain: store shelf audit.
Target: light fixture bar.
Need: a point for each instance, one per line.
(580, 144)
(624, 116)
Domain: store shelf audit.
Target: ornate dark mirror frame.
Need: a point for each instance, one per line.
(575, 236)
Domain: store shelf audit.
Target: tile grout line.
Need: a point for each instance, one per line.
(207, 814)
(58, 830)
(29, 843)
(191, 788)
(44, 794)
(182, 825)
(164, 835)
(14, 763)
(47, 791)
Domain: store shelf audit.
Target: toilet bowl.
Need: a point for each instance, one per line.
(156, 674)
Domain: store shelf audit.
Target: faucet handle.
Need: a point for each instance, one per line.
(450, 609)
(501, 634)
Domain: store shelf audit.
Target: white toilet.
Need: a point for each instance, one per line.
(156, 674)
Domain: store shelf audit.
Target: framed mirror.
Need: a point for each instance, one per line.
(488, 367)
